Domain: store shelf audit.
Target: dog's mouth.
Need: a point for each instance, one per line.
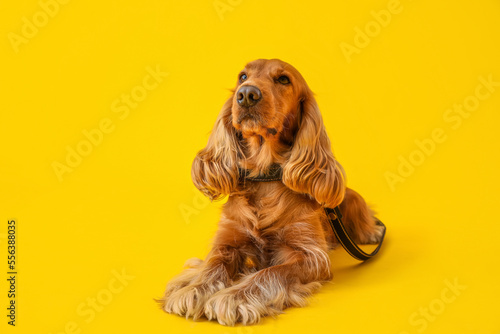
(248, 117)
(251, 125)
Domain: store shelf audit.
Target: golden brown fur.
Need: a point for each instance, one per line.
(270, 251)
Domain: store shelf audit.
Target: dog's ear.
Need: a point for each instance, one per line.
(311, 167)
(215, 170)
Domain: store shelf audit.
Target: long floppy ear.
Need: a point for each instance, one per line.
(215, 170)
(312, 168)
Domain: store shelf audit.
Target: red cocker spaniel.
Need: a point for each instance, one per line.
(271, 249)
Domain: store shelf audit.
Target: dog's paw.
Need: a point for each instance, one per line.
(231, 306)
(187, 301)
(373, 236)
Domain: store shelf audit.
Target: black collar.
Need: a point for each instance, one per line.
(273, 174)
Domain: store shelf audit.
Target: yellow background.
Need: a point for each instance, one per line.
(121, 208)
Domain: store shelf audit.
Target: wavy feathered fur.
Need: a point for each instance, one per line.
(215, 169)
(311, 167)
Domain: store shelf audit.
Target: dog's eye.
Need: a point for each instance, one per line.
(243, 77)
(284, 80)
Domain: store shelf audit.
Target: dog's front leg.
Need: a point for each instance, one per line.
(301, 263)
(187, 293)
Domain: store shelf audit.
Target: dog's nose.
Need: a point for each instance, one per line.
(248, 96)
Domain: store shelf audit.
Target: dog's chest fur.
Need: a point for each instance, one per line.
(268, 203)
(265, 208)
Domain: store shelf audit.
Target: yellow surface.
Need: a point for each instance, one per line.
(129, 204)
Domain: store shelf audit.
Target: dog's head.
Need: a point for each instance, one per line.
(271, 101)
(267, 99)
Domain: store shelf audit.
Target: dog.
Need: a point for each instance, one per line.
(271, 248)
